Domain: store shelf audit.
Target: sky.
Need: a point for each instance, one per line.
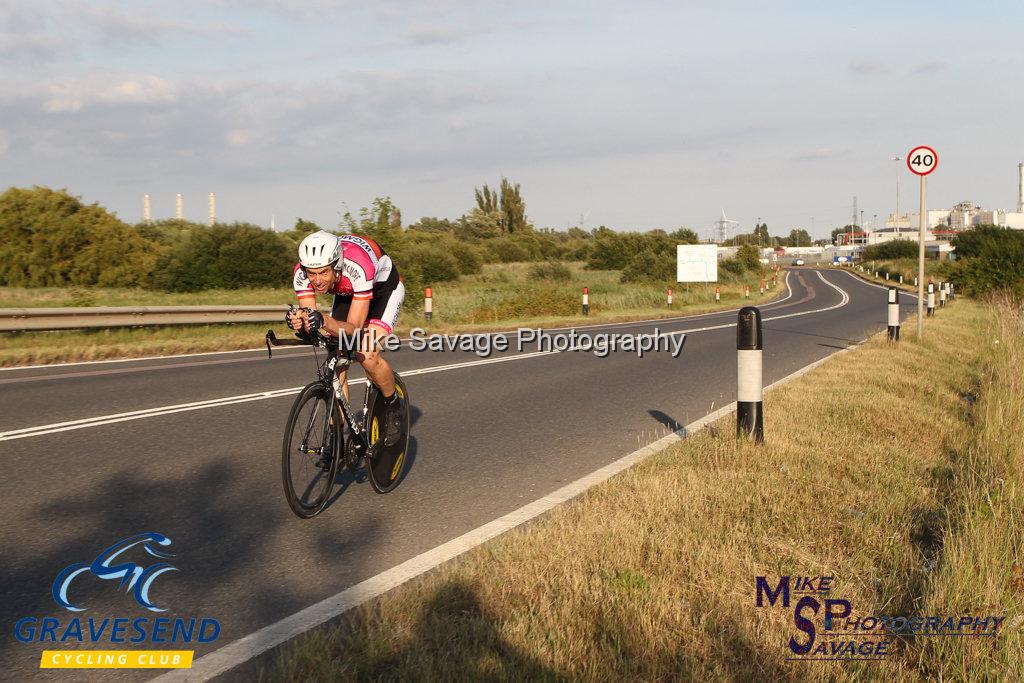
(635, 115)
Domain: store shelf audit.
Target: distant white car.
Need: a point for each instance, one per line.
(798, 262)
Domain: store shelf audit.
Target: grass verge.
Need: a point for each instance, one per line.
(894, 469)
(502, 297)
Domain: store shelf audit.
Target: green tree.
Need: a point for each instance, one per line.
(762, 236)
(227, 257)
(513, 208)
(684, 236)
(892, 249)
(799, 238)
(381, 222)
(749, 257)
(505, 204)
(487, 199)
(50, 238)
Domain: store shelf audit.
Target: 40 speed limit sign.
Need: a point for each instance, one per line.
(922, 160)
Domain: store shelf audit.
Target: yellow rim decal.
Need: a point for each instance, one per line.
(374, 430)
(398, 466)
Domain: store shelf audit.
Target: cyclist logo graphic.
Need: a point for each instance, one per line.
(138, 578)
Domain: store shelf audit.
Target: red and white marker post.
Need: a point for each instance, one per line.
(586, 301)
(428, 303)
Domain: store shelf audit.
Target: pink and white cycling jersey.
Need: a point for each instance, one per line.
(363, 265)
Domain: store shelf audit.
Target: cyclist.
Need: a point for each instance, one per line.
(368, 294)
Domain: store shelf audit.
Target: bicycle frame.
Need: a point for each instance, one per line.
(327, 375)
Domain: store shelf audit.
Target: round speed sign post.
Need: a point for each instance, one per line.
(922, 161)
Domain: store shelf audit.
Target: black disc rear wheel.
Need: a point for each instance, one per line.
(311, 450)
(386, 463)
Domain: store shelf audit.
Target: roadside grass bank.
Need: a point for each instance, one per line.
(895, 470)
(502, 297)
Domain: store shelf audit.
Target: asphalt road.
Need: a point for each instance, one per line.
(488, 438)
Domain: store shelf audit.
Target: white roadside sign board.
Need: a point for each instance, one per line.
(697, 263)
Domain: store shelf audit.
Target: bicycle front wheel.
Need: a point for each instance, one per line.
(311, 450)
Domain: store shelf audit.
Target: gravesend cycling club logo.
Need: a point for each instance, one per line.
(139, 578)
(126, 564)
(828, 630)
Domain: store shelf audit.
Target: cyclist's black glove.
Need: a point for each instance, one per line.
(316, 320)
(288, 317)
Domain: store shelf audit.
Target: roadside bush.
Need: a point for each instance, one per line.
(749, 257)
(649, 266)
(893, 249)
(467, 257)
(554, 271)
(506, 251)
(989, 258)
(428, 264)
(731, 265)
(50, 238)
(226, 257)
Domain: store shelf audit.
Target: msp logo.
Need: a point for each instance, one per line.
(828, 630)
(137, 577)
(130, 573)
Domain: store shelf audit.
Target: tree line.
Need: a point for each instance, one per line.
(51, 238)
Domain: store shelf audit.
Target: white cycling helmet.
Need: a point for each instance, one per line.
(320, 249)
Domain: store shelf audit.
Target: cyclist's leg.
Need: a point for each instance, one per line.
(339, 311)
(381, 321)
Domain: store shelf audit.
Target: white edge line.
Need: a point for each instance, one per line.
(260, 348)
(255, 644)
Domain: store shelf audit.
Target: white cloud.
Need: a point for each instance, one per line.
(74, 96)
(239, 138)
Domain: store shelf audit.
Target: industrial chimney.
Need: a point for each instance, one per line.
(212, 218)
(1020, 188)
(146, 217)
(177, 207)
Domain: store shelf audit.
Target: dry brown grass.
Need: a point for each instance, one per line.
(650, 576)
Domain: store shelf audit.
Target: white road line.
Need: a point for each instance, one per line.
(404, 340)
(84, 423)
(242, 650)
(903, 292)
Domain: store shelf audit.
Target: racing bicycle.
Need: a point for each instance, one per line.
(323, 432)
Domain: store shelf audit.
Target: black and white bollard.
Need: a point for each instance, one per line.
(586, 301)
(746, 291)
(718, 293)
(942, 295)
(670, 297)
(428, 303)
(931, 299)
(901, 279)
(894, 314)
(886, 276)
(750, 390)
